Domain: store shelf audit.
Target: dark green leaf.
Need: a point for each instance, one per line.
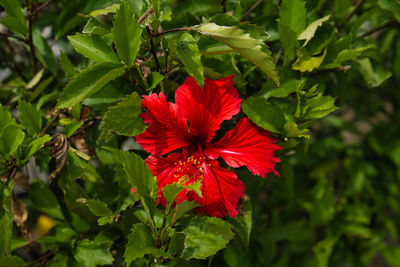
(93, 47)
(6, 218)
(43, 52)
(205, 236)
(126, 34)
(189, 53)
(264, 114)
(140, 242)
(90, 253)
(44, 199)
(11, 137)
(36, 145)
(123, 118)
(243, 222)
(98, 207)
(87, 82)
(293, 13)
(323, 250)
(67, 66)
(288, 40)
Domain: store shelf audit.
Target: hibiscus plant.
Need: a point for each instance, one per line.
(166, 132)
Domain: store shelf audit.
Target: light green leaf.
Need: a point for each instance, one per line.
(264, 114)
(373, 77)
(36, 145)
(5, 118)
(93, 47)
(155, 78)
(44, 199)
(87, 82)
(98, 207)
(305, 62)
(318, 107)
(392, 255)
(104, 11)
(90, 253)
(34, 81)
(323, 250)
(126, 34)
(11, 137)
(123, 118)
(293, 13)
(71, 128)
(205, 236)
(288, 40)
(30, 117)
(189, 53)
(309, 32)
(244, 44)
(286, 89)
(6, 218)
(140, 242)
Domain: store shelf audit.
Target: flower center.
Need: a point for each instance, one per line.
(190, 170)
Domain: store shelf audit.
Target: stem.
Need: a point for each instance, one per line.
(174, 30)
(386, 25)
(34, 13)
(224, 6)
(251, 9)
(153, 50)
(42, 259)
(355, 10)
(145, 15)
(50, 123)
(29, 41)
(278, 56)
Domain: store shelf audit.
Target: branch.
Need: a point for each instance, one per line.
(34, 13)
(153, 50)
(355, 10)
(29, 41)
(174, 30)
(250, 10)
(386, 25)
(145, 15)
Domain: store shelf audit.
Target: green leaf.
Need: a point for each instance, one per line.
(205, 236)
(140, 242)
(182, 208)
(11, 261)
(44, 199)
(139, 175)
(93, 47)
(95, 27)
(87, 82)
(288, 40)
(91, 253)
(244, 44)
(189, 53)
(6, 218)
(11, 137)
(392, 255)
(123, 118)
(126, 34)
(104, 11)
(155, 78)
(323, 250)
(305, 62)
(392, 6)
(105, 220)
(318, 107)
(171, 191)
(34, 81)
(30, 117)
(15, 20)
(36, 145)
(67, 66)
(286, 89)
(71, 128)
(5, 118)
(293, 13)
(309, 32)
(98, 207)
(43, 52)
(264, 114)
(373, 77)
(243, 222)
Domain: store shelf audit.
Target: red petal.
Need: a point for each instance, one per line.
(206, 108)
(168, 129)
(247, 145)
(221, 192)
(221, 188)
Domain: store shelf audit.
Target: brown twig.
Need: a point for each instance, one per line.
(29, 41)
(251, 9)
(278, 56)
(145, 15)
(42, 259)
(12, 36)
(55, 116)
(355, 10)
(174, 30)
(153, 50)
(11, 63)
(224, 6)
(386, 25)
(34, 13)
(343, 68)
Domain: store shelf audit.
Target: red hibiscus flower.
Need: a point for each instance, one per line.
(191, 124)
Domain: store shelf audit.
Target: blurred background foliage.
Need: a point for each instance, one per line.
(336, 202)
